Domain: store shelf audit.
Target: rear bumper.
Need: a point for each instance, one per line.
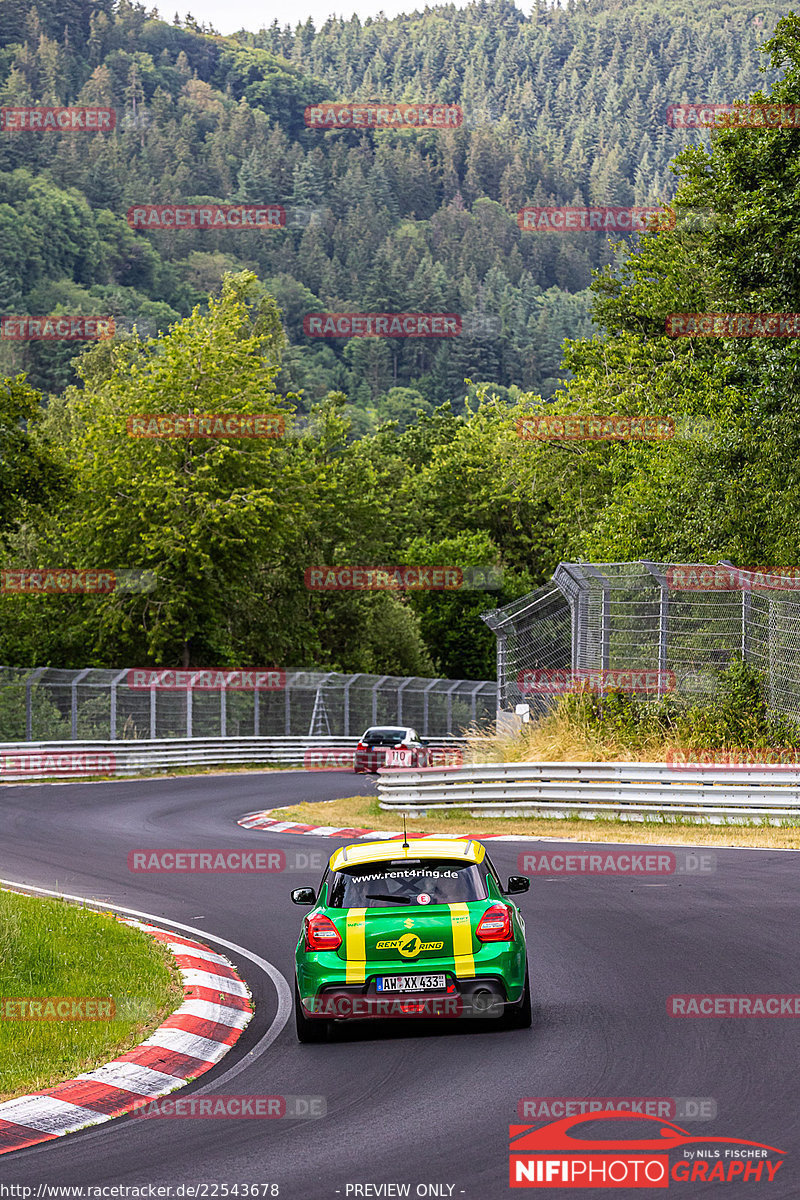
(498, 981)
(375, 759)
(476, 998)
(369, 760)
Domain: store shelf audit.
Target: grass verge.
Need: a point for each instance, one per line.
(363, 812)
(50, 948)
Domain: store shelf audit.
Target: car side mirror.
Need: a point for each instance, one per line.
(517, 883)
(303, 896)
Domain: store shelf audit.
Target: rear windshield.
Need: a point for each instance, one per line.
(384, 737)
(406, 884)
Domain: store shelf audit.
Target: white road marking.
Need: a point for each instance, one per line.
(49, 1115)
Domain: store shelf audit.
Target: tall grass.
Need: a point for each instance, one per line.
(615, 727)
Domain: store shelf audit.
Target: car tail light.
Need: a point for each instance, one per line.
(321, 933)
(495, 925)
(362, 746)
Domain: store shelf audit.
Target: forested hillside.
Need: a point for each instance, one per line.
(563, 106)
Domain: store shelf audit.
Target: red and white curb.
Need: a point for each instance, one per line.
(215, 1011)
(263, 820)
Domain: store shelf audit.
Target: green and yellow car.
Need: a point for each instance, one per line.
(401, 930)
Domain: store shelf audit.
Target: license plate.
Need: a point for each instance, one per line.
(411, 983)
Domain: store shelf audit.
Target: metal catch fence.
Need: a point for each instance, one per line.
(681, 623)
(51, 704)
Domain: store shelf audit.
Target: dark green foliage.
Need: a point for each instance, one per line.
(565, 107)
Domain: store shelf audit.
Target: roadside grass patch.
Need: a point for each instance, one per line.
(364, 812)
(51, 948)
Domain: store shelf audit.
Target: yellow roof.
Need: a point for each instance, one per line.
(359, 853)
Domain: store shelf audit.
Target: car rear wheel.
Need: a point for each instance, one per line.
(308, 1029)
(519, 1016)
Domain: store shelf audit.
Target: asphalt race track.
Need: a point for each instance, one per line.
(432, 1105)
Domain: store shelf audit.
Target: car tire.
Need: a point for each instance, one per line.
(308, 1028)
(519, 1015)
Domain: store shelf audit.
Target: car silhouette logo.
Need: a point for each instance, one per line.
(663, 1136)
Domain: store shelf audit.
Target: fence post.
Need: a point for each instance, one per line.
(572, 583)
(746, 602)
(663, 620)
(152, 711)
(407, 679)
(450, 691)
(287, 707)
(473, 698)
(426, 707)
(223, 711)
(501, 673)
(375, 687)
(74, 706)
(112, 731)
(605, 628)
(347, 687)
(29, 682)
(256, 712)
(772, 628)
(190, 705)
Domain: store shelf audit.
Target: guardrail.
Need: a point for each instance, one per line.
(76, 760)
(625, 791)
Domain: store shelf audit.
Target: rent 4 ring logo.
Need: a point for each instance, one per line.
(577, 1151)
